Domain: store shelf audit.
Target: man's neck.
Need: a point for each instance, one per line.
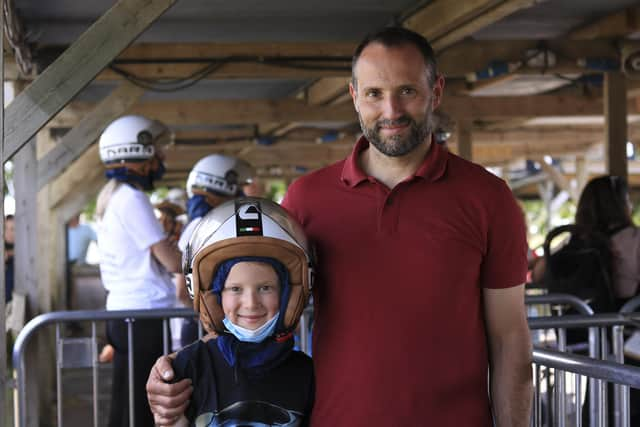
(392, 170)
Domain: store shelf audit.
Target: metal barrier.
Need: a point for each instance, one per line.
(561, 362)
(621, 392)
(65, 346)
(596, 370)
(598, 409)
(596, 387)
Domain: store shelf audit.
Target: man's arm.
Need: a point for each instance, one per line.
(167, 401)
(509, 355)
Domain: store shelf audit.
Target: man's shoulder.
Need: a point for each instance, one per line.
(322, 175)
(474, 175)
(312, 186)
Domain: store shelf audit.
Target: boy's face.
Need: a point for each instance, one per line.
(251, 294)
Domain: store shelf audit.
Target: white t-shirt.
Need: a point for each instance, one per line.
(130, 273)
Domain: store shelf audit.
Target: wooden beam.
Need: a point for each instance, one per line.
(150, 51)
(519, 106)
(615, 111)
(559, 179)
(3, 284)
(242, 112)
(440, 17)
(616, 25)
(26, 280)
(488, 17)
(475, 55)
(231, 70)
(87, 131)
(582, 172)
(326, 90)
(86, 169)
(76, 67)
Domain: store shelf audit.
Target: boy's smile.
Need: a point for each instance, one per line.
(251, 294)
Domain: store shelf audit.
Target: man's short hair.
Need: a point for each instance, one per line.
(398, 36)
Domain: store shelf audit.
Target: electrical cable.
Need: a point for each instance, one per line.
(176, 84)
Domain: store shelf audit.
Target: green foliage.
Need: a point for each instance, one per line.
(539, 223)
(275, 189)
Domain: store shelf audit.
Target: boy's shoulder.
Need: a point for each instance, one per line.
(299, 362)
(193, 354)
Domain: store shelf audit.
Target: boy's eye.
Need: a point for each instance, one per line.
(234, 289)
(407, 91)
(266, 288)
(372, 93)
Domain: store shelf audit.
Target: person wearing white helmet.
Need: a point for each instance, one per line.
(213, 180)
(136, 260)
(249, 271)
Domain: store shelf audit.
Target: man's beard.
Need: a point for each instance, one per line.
(399, 145)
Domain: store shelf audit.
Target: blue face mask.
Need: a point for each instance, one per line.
(157, 174)
(249, 335)
(197, 207)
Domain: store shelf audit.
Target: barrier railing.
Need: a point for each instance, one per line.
(598, 409)
(621, 392)
(596, 387)
(597, 370)
(57, 318)
(602, 370)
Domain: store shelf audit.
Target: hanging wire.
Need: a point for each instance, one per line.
(16, 38)
(176, 84)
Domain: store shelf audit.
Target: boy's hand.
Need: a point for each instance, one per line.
(168, 401)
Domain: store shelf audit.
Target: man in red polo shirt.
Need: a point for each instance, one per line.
(422, 260)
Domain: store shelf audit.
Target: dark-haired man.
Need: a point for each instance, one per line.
(422, 260)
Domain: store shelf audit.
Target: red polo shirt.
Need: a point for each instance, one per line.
(399, 338)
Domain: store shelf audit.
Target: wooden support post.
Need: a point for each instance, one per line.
(4, 407)
(463, 137)
(87, 131)
(615, 112)
(559, 179)
(27, 281)
(582, 173)
(86, 169)
(76, 67)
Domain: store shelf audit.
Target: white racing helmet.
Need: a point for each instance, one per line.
(177, 196)
(218, 174)
(130, 139)
(247, 227)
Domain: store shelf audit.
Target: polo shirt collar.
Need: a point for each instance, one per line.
(433, 167)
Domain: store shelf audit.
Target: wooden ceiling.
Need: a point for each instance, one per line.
(288, 129)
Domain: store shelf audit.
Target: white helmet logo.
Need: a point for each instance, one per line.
(248, 212)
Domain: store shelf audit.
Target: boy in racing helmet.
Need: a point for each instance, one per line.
(249, 270)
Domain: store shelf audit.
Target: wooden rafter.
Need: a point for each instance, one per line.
(87, 131)
(619, 24)
(76, 67)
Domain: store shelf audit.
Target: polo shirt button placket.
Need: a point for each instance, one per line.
(388, 219)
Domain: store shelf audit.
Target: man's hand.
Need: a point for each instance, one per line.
(167, 401)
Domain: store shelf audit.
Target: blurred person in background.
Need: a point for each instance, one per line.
(136, 258)
(213, 180)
